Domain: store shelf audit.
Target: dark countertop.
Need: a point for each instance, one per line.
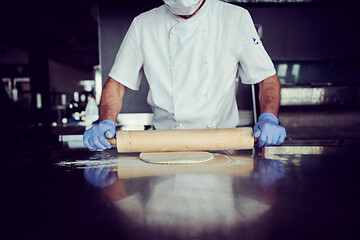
(289, 192)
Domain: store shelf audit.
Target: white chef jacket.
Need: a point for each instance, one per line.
(191, 64)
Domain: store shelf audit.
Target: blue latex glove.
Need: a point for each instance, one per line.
(96, 137)
(99, 176)
(268, 131)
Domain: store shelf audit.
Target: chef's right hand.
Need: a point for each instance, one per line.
(96, 136)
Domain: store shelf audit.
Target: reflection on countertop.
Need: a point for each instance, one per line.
(279, 193)
(242, 195)
(187, 201)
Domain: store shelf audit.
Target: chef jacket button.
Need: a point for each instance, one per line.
(209, 126)
(206, 62)
(174, 64)
(173, 32)
(179, 124)
(175, 96)
(206, 94)
(204, 30)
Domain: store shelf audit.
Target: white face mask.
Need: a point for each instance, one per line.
(183, 7)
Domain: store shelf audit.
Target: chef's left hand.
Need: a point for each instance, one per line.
(268, 131)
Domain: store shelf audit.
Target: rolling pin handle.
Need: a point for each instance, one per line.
(112, 141)
(111, 138)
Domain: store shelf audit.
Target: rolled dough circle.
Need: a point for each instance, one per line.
(173, 158)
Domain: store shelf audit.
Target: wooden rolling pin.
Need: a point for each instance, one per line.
(184, 140)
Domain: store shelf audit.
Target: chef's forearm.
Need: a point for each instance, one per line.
(111, 100)
(269, 95)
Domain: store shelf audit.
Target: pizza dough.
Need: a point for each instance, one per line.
(173, 158)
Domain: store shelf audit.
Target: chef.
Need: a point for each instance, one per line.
(190, 52)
